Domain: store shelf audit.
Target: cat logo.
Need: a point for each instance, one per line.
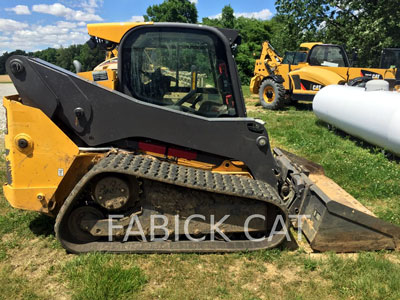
(373, 75)
(316, 87)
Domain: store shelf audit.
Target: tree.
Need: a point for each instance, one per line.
(63, 57)
(365, 25)
(253, 32)
(182, 11)
(228, 17)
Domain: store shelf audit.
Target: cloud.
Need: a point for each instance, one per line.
(137, 19)
(69, 25)
(215, 16)
(63, 34)
(264, 14)
(194, 1)
(90, 6)
(20, 10)
(59, 10)
(7, 25)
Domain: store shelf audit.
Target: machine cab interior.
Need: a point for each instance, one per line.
(179, 68)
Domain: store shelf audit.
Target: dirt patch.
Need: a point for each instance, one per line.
(393, 258)
(254, 108)
(5, 78)
(42, 263)
(277, 279)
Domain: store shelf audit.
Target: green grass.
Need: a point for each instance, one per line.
(16, 287)
(361, 169)
(34, 266)
(369, 276)
(246, 91)
(100, 276)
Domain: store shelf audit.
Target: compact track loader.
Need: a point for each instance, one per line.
(159, 155)
(300, 75)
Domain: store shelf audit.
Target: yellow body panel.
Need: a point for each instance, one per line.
(112, 31)
(386, 73)
(283, 70)
(309, 45)
(110, 82)
(35, 171)
(321, 76)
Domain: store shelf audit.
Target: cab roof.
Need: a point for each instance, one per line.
(112, 31)
(309, 45)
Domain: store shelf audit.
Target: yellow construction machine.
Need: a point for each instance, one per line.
(300, 75)
(158, 154)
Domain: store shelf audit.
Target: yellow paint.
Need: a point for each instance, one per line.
(76, 171)
(232, 168)
(113, 31)
(111, 82)
(36, 170)
(227, 166)
(255, 83)
(309, 45)
(269, 94)
(111, 54)
(320, 75)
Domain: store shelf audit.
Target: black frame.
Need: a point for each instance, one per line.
(231, 63)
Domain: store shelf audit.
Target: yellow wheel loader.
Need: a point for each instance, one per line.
(159, 155)
(300, 75)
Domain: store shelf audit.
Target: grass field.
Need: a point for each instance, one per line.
(34, 266)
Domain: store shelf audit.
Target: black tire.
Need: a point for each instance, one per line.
(359, 81)
(272, 94)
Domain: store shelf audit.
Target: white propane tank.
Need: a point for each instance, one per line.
(371, 114)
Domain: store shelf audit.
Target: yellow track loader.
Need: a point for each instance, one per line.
(300, 75)
(159, 155)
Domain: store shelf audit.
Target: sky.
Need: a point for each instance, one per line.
(35, 25)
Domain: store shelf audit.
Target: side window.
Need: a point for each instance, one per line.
(185, 71)
(288, 59)
(299, 57)
(317, 56)
(328, 56)
(390, 59)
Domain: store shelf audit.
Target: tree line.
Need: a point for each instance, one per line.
(366, 26)
(62, 57)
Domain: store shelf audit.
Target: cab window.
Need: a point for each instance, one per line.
(185, 71)
(328, 56)
(294, 58)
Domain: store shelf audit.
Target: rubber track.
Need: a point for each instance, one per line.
(148, 167)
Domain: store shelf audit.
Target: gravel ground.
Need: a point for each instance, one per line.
(6, 89)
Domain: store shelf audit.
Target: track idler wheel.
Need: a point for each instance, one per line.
(78, 220)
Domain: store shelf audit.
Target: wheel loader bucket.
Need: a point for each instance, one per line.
(330, 218)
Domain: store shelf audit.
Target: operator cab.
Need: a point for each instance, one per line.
(181, 68)
(328, 56)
